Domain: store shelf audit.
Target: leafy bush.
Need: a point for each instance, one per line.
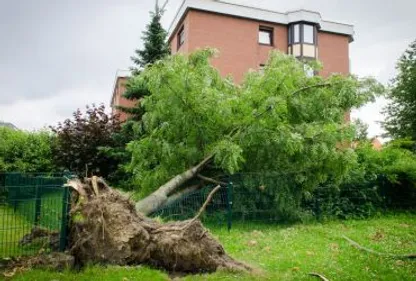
(383, 179)
(25, 151)
(79, 142)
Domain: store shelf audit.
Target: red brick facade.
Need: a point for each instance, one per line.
(119, 100)
(234, 31)
(237, 41)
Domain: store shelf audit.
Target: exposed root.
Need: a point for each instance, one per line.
(108, 230)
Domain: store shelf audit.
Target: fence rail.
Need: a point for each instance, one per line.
(251, 199)
(33, 213)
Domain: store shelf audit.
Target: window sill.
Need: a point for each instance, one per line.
(267, 45)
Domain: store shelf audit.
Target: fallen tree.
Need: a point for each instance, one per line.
(197, 122)
(106, 229)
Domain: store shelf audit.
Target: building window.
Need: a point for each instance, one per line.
(302, 33)
(308, 34)
(296, 33)
(266, 35)
(181, 37)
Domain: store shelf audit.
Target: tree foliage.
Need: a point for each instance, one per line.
(22, 151)
(379, 179)
(80, 139)
(276, 120)
(155, 45)
(361, 130)
(401, 112)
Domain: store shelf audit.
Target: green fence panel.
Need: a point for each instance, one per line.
(29, 202)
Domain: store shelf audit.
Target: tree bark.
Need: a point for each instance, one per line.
(158, 198)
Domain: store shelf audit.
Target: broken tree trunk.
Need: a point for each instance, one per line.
(107, 229)
(158, 198)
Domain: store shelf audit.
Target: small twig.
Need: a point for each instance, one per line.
(320, 276)
(211, 180)
(358, 246)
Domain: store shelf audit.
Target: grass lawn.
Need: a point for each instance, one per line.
(290, 253)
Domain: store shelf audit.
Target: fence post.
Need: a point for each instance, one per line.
(38, 204)
(63, 237)
(229, 205)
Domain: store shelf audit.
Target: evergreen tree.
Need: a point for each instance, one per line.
(155, 47)
(155, 43)
(401, 112)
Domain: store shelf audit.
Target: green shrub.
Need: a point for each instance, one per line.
(25, 151)
(380, 180)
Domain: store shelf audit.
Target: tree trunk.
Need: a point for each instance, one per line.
(158, 198)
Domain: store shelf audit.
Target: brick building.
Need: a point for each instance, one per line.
(245, 35)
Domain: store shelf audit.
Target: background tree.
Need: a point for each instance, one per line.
(401, 112)
(361, 130)
(79, 142)
(155, 47)
(279, 120)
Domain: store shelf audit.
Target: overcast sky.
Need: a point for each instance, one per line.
(57, 56)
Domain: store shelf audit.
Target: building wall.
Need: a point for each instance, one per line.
(119, 100)
(174, 40)
(333, 53)
(235, 38)
(239, 50)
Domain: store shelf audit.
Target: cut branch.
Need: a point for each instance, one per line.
(320, 276)
(158, 198)
(358, 246)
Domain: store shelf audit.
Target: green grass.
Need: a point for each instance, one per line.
(290, 253)
(96, 273)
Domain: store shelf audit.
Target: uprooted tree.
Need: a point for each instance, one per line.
(199, 126)
(107, 229)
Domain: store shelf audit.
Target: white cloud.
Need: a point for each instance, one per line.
(35, 114)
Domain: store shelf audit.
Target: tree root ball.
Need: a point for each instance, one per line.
(106, 229)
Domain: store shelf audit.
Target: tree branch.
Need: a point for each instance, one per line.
(211, 180)
(320, 276)
(327, 84)
(209, 198)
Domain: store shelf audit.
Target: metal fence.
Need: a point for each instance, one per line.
(252, 199)
(33, 213)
